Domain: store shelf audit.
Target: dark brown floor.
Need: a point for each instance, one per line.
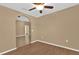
(39, 48)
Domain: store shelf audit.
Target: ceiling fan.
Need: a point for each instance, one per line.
(40, 7)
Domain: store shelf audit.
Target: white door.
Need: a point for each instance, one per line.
(27, 34)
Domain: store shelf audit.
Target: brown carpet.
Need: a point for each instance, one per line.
(39, 48)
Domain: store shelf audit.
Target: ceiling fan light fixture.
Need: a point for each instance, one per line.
(39, 7)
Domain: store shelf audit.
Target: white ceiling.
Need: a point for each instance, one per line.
(24, 7)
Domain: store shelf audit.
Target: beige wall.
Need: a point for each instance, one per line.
(7, 29)
(34, 29)
(59, 27)
(20, 28)
(20, 41)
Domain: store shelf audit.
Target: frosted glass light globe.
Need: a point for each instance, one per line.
(39, 7)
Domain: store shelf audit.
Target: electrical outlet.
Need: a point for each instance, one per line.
(67, 41)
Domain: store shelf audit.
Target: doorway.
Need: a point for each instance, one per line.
(23, 33)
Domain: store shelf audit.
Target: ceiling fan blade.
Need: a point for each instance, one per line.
(32, 8)
(38, 3)
(49, 7)
(40, 11)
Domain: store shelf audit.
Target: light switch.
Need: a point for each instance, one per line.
(32, 30)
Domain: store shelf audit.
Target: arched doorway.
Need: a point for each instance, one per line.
(23, 31)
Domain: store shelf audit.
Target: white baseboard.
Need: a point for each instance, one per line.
(42, 42)
(7, 51)
(56, 45)
(11, 50)
(35, 41)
